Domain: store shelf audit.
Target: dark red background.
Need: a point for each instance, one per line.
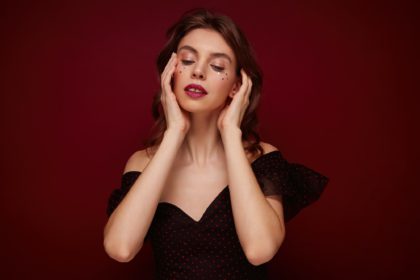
(339, 96)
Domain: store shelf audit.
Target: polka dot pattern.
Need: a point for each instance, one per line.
(298, 185)
(209, 248)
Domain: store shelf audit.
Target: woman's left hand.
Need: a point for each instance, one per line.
(231, 115)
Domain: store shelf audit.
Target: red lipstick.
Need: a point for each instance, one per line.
(195, 90)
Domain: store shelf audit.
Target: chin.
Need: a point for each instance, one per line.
(193, 106)
(202, 105)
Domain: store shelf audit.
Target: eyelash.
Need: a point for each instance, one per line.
(216, 68)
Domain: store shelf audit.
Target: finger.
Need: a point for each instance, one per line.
(248, 85)
(168, 64)
(167, 68)
(168, 75)
(172, 62)
(163, 82)
(249, 88)
(245, 82)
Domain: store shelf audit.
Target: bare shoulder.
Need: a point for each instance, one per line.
(137, 161)
(268, 147)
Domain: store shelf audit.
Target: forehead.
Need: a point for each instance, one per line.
(206, 41)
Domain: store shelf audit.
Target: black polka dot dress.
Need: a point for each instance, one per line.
(209, 248)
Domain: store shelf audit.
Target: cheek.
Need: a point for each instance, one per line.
(223, 76)
(224, 81)
(180, 69)
(179, 73)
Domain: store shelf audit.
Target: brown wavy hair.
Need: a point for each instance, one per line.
(235, 38)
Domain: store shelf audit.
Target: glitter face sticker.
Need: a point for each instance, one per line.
(180, 68)
(223, 75)
(184, 64)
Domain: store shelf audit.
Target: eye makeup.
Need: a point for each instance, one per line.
(218, 69)
(217, 66)
(190, 49)
(223, 75)
(187, 62)
(180, 71)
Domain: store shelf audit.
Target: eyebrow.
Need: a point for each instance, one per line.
(217, 54)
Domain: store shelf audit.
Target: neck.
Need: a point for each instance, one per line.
(202, 144)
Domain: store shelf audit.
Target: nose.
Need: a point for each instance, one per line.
(198, 73)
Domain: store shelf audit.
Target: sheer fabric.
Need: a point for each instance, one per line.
(209, 248)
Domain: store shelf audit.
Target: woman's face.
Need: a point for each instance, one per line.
(205, 59)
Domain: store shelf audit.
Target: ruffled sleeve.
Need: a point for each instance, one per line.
(117, 195)
(298, 185)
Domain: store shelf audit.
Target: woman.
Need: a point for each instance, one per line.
(212, 198)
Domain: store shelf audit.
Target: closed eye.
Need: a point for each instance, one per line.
(187, 62)
(218, 68)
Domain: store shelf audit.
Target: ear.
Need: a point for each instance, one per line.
(235, 87)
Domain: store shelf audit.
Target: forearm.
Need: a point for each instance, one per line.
(128, 225)
(257, 224)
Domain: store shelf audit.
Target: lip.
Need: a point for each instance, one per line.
(194, 94)
(195, 86)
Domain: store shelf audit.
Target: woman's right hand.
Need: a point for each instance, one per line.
(177, 119)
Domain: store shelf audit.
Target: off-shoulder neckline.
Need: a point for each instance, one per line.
(220, 194)
(266, 155)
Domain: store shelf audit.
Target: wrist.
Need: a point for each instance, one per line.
(231, 133)
(174, 135)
